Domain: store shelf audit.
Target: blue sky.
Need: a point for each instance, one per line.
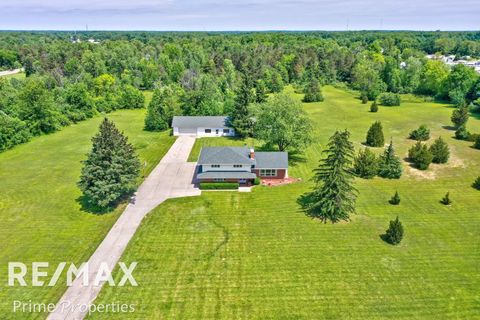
(240, 14)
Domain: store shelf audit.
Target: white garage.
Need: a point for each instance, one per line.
(202, 126)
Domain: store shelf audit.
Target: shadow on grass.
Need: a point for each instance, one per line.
(306, 201)
(296, 157)
(451, 128)
(384, 238)
(87, 206)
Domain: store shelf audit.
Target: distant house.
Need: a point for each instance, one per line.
(240, 164)
(202, 126)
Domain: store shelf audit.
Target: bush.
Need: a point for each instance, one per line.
(389, 99)
(476, 145)
(257, 181)
(440, 151)
(420, 134)
(219, 185)
(375, 136)
(374, 107)
(395, 200)
(446, 200)
(461, 133)
(12, 132)
(364, 98)
(366, 164)
(313, 93)
(420, 156)
(460, 116)
(394, 233)
(476, 184)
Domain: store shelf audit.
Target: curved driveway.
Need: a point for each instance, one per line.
(171, 178)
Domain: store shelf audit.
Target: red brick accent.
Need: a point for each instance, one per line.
(281, 173)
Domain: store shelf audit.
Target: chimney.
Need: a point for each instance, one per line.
(252, 154)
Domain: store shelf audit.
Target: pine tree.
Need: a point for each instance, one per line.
(395, 200)
(111, 169)
(394, 233)
(364, 98)
(161, 110)
(390, 166)
(260, 91)
(476, 184)
(420, 156)
(334, 196)
(374, 106)
(460, 116)
(366, 164)
(446, 200)
(440, 151)
(313, 93)
(461, 133)
(241, 118)
(375, 136)
(420, 134)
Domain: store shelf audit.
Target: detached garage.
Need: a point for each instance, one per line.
(202, 126)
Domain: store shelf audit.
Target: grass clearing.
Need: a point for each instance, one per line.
(41, 219)
(233, 255)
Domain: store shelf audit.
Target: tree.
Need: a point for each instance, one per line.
(446, 200)
(460, 116)
(366, 78)
(334, 196)
(420, 134)
(459, 82)
(312, 91)
(420, 156)
(389, 99)
(12, 132)
(366, 164)
(394, 233)
(476, 145)
(161, 109)
(434, 74)
(241, 118)
(375, 136)
(283, 122)
(440, 151)
(390, 166)
(476, 183)
(131, 98)
(79, 101)
(374, 106)
(462, 133)
(260, 91)
(111, 169)
(395, 200)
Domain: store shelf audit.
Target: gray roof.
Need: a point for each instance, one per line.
(241, 155)
(271, 160)
(225, 155)
(226, 175)
(200, 122)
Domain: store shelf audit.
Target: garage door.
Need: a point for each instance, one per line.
(187, 130)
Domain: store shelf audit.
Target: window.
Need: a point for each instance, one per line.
(208, 130)
(215, 166)
(219, 180)
(217, 131)
(268, 172)
(227, 131)
(237, 166)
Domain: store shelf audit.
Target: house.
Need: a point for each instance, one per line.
(240, 164)
(202, 126)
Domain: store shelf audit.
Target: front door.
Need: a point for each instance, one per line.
(216, 132)
(242, 181)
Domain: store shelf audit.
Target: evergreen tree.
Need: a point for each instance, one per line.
(375, 136)
(461, 133)
(395, 200)
(446, 200)
(420, 134)
(111, 169)
(460, 116)
(241, 119)
(260, 91)
(476, 184)
(476, 145)
(394, 233)
(312, 91)
(440, 151)
(161, 110)
(390, 166)
(420, 156)
(374, 106)
(334, 196)
(366, 164)
(364, 98)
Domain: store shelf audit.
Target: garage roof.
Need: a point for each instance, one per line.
(200, 122)
(226, 175)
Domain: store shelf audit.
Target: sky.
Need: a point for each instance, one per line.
(204, 15)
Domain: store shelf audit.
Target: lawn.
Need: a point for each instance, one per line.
(229, 255)
(41, 219)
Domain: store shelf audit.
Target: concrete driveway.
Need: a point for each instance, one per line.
(172, 178)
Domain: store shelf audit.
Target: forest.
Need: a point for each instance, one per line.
(69, 78)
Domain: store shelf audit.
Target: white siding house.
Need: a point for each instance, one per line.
(202, 126)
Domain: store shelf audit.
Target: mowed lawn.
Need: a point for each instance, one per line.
(229, 255)
(40, 217)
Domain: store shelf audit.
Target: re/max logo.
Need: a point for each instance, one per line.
(17, 274)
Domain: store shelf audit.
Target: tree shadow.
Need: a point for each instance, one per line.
(87, 206)
(296, 157)
(451, 128)
(305, 201)
(384, 237)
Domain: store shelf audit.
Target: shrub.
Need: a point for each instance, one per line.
(476, 145)
(394, 233)
(219, 185)
(364, 98)
(389, 99)
(395, 200)
(446, 200)
(476, 184)
(366, 165)
(461, 133)
(257, 181)
(375, 136)
(420, 156)
(12, 132)
(313, 92)
(440, 151)
(420, 134)
(374, 107)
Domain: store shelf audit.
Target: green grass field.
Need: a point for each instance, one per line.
(40, 218)
(19, 76)
(229, 255)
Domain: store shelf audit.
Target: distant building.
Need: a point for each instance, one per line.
(202, 126)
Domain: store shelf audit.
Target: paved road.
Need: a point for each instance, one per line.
(171, 178)
(9, 72)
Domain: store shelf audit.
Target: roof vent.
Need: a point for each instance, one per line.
(252, 154)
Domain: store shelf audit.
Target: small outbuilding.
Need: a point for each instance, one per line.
(202, 126)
